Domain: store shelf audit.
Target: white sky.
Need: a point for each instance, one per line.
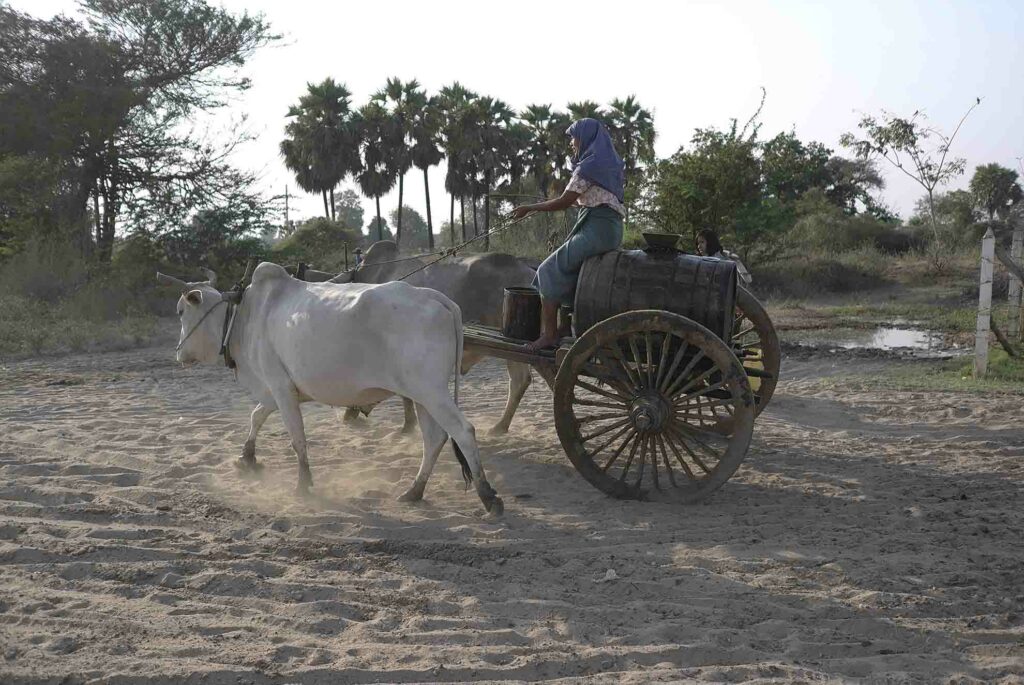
(693, 63)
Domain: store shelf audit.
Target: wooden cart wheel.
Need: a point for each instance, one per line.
(757, 345)
(639, 400)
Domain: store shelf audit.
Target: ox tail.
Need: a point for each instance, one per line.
(456, 312)
(467, 474)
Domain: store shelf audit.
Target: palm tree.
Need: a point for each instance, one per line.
(588, 109)
(321, 145)
(493, 150)
(395, 99)
(539, 154)
(425, 128)
(453, 105)
(561, 150)
(632, 128)
(378, 173)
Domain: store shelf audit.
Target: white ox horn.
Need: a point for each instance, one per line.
(164, 279)
(211, 277)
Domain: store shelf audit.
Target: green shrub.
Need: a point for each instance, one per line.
(318, 242)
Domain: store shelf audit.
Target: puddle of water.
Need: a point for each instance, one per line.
(882, 338)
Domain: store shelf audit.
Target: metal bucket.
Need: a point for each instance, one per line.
(520, 315)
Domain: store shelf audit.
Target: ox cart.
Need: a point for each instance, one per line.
(667, 365)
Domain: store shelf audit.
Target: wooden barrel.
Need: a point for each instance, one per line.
(520, 315)
(700, 288)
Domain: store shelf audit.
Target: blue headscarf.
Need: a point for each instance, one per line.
(597, 161)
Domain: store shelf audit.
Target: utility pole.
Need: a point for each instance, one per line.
(287, 224)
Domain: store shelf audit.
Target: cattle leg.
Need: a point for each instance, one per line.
(409, 425)
(291, 414)
(463, 434)
(434, 438)
(518, 381)
(248, 462)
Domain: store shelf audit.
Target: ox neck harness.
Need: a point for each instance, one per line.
(229, 323)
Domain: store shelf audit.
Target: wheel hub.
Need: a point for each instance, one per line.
(649, 412)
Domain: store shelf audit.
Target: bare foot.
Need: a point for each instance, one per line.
(542, 343)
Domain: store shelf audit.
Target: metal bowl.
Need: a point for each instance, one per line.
(662, 241)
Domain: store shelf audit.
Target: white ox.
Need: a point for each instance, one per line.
(342, 345)
(475, 282)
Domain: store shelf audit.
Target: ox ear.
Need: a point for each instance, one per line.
(164, 279)
(194, 297)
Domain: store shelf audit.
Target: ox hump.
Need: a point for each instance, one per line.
(267, 271)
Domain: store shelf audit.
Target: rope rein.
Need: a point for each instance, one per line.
(452, 251)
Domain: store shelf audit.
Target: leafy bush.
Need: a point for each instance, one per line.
(319, 242)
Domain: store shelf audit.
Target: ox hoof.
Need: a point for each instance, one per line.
(495, 507)
(248, 467)
(498, 429)
(413, 494)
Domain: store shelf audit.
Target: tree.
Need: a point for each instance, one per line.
(322, 143)
(395, 99)
(906, 143)
(378, 175)
(539, 157)
(112, 99)
(632, 130)
(495, 152)
(415, 228)
(348, 210)
(453, 103)
(426, 120)
(957, 214)
(996, 190)
(379, 226)
(587, 109)
(851, 181)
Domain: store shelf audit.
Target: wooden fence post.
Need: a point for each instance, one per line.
(1015, 324)
(988, 251)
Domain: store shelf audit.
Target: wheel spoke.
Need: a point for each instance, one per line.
(665, 340)
(633, 350)
(679, 456)
(621, 448)
(699, 379)
(680, 353)
(616, 367)
(608, 371)
(650, 359)
(643, 459)
(634, 375)
(682, 442)
(629, 460)
(685, 373)
(599, 417)
(595, 403)
(609, 441)
(664, 457)
(600, 391)
(690, 434)
(707, 404)
(703, 391)
(607, 429)
(745, 331)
